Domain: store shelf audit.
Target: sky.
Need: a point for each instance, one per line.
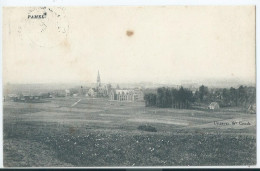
(128, 44)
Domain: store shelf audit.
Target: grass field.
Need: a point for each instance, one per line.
(97, 132)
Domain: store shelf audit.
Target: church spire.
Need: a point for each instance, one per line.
(98, 80)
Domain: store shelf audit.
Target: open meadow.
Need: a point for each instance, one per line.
(80, 131)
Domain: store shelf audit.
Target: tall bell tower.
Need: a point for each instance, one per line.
(98, 80)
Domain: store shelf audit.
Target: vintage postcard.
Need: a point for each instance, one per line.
(117, 86)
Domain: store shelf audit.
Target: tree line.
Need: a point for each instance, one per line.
(184, 98)
(170, 97)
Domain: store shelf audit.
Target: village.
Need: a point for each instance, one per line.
(99, 91)
(192, 96)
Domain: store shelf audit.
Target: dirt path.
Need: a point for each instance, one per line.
(74, 104)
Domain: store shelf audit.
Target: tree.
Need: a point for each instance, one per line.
(168, 98)
(174, 93)
(203, 92)
(161, 99)
(233, 96)
(226, 98)
(182, 98)
(150, 99)
(242, 95)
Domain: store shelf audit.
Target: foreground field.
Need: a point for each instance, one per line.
(97, 132)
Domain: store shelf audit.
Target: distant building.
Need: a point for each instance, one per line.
(138, 94)
(100, 90)
(122, 95)
(98, 80)
(67, 92)
(59, 93)
(83, 91)
(27, 97)
(45, 95)
(126, 95)
(12, 97)
(92, 92)
(106, 90)
(252, 108)
(213, 106)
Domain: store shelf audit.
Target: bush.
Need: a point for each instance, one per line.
(147, 128)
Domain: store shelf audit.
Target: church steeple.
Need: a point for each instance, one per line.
(98, 80)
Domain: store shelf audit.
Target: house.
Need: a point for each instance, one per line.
(28, 96)
(58, 93)
(138, 94)
(92, 92)
(83, 91)
(12, 97)
(67, 92)
(44, 95)
(252, 109)
(213, 106)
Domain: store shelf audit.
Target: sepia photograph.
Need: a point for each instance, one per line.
(129, 86)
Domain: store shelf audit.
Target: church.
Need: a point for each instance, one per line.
(100, 90)
(115, 94)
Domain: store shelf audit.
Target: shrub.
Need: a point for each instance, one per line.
(147, 128)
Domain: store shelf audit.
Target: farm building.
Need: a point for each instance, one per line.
(12, 97)
(252, 108)
(67, 92)
(27, 97)
(213, 106)
(58, 93)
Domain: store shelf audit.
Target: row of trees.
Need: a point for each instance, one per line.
(184, 98)
(242, 96)
(167, 97)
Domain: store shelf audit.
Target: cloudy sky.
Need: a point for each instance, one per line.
(128, 44)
